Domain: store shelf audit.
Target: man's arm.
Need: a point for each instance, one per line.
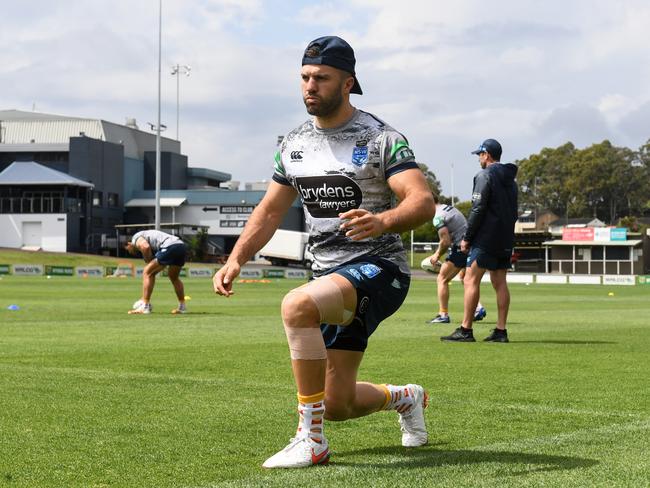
(480, 197)
(415, 207)
(261, 226)
(144, 247)
(443, 245)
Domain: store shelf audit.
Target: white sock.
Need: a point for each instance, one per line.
(398, 398)
(311, 410)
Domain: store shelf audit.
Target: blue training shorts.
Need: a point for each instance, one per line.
(456, 256)
(173, 255)
(486, 260)
(381, 290)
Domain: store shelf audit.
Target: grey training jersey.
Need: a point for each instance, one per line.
(340, 169)
(157, 240)
(453, 219)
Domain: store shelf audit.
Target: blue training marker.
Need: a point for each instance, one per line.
(13, 307)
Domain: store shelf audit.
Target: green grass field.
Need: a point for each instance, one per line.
(93, 397)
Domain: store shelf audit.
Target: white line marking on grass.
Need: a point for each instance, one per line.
(568, 437)
(103, 374)
(535, 408)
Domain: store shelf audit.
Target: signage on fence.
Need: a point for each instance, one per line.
(274, 273)
(201, 272)
(644, 280)
(119, 271)
(4, 269)
(90, 271)
(619, 280)
(28, 269)
(248, 273)
(59, 270)
(296, 273)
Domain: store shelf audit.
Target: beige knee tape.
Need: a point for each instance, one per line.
(328, 297)
(305, 343)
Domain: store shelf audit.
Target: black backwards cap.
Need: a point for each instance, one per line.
(332, 51)
(490, 146)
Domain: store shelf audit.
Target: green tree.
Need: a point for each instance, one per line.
(543, 178)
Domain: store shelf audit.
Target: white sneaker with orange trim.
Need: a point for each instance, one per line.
(142, 308)
(411, 420)
(301, 452)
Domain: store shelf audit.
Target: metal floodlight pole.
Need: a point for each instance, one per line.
(178, 70)
(157, 211)
(452, 184)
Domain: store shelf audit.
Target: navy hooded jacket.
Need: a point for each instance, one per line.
(491, 222)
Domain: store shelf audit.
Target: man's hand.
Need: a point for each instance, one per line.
(464, 246)
(360, 224)
(435, 257)
(222, 280)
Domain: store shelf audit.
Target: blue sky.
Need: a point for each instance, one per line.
(447, 74)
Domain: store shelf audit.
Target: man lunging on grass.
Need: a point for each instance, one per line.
(158, 250)
(345, 165)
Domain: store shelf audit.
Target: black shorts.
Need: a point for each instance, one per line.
(486, 260)
(456, 257)
(381, 290)
(173, 255)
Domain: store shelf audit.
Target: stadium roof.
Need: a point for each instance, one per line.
(40, 131)
(32, 173)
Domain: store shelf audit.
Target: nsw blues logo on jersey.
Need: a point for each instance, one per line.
(360, 154)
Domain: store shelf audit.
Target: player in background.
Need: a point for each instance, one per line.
(346, 165)
(489, 239)
(158, 250)
(451, 225)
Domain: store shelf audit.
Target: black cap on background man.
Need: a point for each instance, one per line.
(333, 51)
(492, 147)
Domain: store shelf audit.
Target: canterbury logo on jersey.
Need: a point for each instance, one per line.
(296, 155)
(327, 196)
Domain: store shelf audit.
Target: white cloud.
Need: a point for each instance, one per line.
(529, 73)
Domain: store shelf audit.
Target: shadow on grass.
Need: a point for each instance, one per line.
(432, 457)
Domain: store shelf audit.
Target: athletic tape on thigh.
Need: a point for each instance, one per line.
(328, 297)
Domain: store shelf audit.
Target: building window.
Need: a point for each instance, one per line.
(97, 199)
(112, 200)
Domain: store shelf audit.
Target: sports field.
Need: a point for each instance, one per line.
(93, 397)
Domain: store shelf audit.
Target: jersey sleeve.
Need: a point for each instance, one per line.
(439, 221)
(398, 156)
(279, 173)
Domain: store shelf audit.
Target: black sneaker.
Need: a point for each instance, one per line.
(460, 335)
(497, 335)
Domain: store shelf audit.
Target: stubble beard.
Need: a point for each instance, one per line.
(327, 106)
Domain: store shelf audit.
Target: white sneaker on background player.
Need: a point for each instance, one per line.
(140, 307)
(301, 452)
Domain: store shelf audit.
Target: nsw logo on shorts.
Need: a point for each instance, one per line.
(370, 270)
(355, 273)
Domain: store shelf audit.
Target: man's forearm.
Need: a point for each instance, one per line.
(258, 231)
(410, 213)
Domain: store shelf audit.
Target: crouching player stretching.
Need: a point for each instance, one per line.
(345, 165)
(158, 250)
